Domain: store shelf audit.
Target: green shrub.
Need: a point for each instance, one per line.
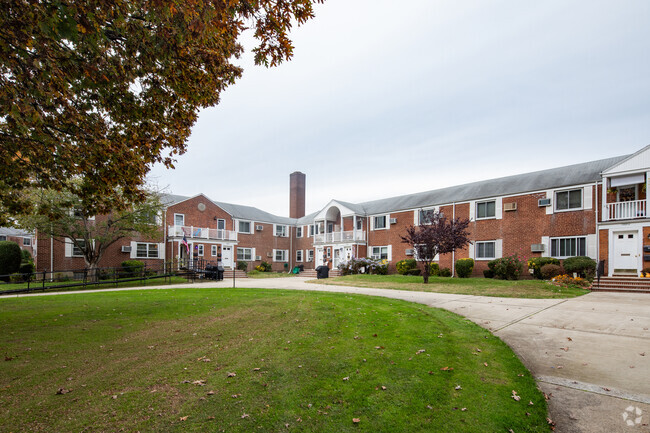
(242, 265)
(585, 267)
(132, 268)
(506, 268)
(405, 266)
(536, 264)
(550, 270)
(27, 269)
(26, 256)
(445, 272)
(414, 272)
(488, 273)
(10, 258)
(263, 267)
(464, 267)
(434, 269)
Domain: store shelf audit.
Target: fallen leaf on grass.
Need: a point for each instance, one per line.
(463, 409)
(458, 387)
(566, 349)
(420, 351)
(379, 347)
(256, 369)
(446, 369)
(210, 392)
(346, 378)
(62, 391)
(530, 403)
(515, 396)
(356, 420)
(245, 415)
(485, 363)
(200, 382)
(184, 418)
(235, 395)
(232, 374)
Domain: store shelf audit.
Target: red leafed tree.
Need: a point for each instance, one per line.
(435, 235)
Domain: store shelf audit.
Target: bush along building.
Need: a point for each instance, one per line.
(597, 209)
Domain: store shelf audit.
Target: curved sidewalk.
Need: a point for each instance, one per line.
(590, 355)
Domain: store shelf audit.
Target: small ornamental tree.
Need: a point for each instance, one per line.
(436, 235)
(9, 259)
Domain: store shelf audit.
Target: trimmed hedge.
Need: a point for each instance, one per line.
(132, 268)
(445, 272)
(537, 263)
(582, 265)
(506, 268)
(550, 271)
(242, 265)
(464, 267)
(404, 267)
(10, 258)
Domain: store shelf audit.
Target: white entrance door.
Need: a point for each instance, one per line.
(337, 258)
(226, 257)
(319, 257)
(626, 250)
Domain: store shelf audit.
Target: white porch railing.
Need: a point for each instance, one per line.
(624, 210)
(192, 232)
(335, 237)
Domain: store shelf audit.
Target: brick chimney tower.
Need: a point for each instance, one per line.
(296, 195)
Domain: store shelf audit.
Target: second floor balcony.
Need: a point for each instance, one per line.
(340, 237)
(191, 232)
(624, 210)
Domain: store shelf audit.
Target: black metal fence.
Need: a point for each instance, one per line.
(105, 276)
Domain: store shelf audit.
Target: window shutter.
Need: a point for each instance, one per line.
(587, 198)
(416, 217)
(549, 209)
(591, 247)
(161, 251)
(546, 240)
(252, 254)
(498, 248)
(68, 247)
(472, 210)
(274, 256)
(390, 253)
(498, 208)
(133, 250)
(471, 251)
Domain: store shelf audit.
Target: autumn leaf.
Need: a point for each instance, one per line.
(184, 418)
(62, 391)
(447, 369)
(515, 396)
(232, 374)
(356, 420)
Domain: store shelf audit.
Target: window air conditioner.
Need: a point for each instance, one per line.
(126, 249)
(537, 248)
(510, 206)
(544, 202)
(258, 258)
(393, 220)
(409, 252)
(259, 228)
(269, 254)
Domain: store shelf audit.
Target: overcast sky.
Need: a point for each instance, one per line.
(384, 98)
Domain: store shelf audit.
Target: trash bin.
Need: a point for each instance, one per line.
(302, 268)
(211, 272)
(322, 272)
(219, 273)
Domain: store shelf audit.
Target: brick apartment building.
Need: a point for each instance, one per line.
(24, 239)
(598, 209)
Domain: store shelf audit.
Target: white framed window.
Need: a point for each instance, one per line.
(299, 255)
(485, 250)
(27, 242)
(486, 209)
(3, 237)
(280, 230)
(359, 224)
(72, 250)
(214, 250)
(379, 253)
(244, 254)
(179, 219)
(379, 222)
(200, 249)
(568, 247)
(146, 250)
(425, 216)
(299, 231)
(310, 233)
(310, 255)
(221, 224)
(568, 200)
(329, 252)
(243, 226)
(280, 255)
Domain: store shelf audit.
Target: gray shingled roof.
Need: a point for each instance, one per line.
(10, 231)
(576, 174)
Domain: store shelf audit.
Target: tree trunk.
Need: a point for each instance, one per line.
(425, 273)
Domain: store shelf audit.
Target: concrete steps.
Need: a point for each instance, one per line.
(622, 284)
(227, 274)
(311, 273)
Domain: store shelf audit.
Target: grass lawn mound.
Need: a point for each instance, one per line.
(245, 360)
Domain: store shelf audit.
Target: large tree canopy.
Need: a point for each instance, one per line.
(103, 89)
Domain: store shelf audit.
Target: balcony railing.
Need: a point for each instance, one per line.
(336, 237)
(192, 232)
(624, 210)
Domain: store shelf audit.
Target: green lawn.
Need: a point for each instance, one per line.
(262, 275)
(242, 360)
(36, 286)
(462, 286)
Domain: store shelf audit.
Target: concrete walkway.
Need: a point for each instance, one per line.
(590, 355)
